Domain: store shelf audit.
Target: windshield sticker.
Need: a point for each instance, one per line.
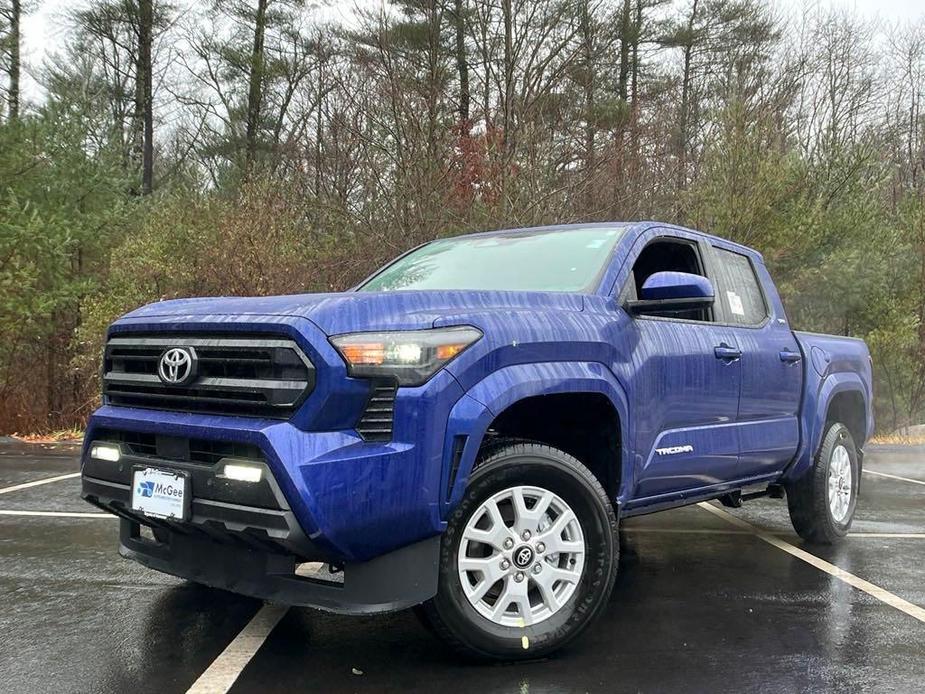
(735, 303)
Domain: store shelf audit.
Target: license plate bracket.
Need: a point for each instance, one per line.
(160, 493)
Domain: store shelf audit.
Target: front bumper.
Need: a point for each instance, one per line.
(262, 552)
(372, 509)
(354, 499)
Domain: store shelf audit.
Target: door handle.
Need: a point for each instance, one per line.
(727, 353)
(789, 357)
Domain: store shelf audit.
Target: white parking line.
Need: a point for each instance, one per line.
(684, 531)
(57, 514)
(876, 591)
(894, 477)
(224, 670)
(48, 480)
(723, 531)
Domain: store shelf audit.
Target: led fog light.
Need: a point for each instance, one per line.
(242, 473)
(104, 452)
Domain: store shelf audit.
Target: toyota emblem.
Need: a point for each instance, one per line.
(523, 557)
(177, 366)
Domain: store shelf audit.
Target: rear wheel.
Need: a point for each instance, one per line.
(822, 503)
(529, 556)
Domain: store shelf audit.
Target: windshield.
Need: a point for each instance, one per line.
(569, 260)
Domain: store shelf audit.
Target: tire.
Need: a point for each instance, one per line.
(545, 610)
(809, 499)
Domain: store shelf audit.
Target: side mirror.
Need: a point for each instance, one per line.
(673, 291)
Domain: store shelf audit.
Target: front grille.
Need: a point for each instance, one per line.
(376, 422)
(245, 376)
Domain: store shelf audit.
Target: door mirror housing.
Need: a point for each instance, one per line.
(673, 291)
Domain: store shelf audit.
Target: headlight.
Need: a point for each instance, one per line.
(411, 356)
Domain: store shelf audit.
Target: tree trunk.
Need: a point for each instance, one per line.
(634, 83)
(144, 76)
(319, 114)
(587, 47)
(255, 81)
(625, 28)
(508, 111)
(434, 53)
(683, 120)
(462, 62)
(637, 33)
(15, 13)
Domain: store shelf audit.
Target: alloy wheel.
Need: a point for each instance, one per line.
(840, 484)
(521, 556)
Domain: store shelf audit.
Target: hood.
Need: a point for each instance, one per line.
(359, 311)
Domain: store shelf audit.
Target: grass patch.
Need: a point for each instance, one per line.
(899, 440)
(59, 436)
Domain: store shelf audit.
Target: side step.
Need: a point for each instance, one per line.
(737, 498)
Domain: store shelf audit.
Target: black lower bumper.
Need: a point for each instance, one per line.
(250, 527)
(264, 553)
(394, 581)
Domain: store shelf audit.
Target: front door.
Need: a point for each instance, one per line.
(685, 399)
(684, 390)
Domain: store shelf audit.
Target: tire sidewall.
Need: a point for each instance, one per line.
(598, 524)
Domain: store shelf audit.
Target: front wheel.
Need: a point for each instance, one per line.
(528, 558)
(823, 501)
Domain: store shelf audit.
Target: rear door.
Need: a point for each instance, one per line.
(684, 384)
(772, 376)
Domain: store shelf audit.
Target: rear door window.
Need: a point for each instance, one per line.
(741, 293)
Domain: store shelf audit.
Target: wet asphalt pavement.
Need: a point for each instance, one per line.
(700, 605)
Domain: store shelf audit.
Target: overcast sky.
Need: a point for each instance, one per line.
(43, 27)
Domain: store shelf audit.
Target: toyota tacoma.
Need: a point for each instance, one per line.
(465, 430)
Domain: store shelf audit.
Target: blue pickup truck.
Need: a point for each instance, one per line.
(464, 431)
